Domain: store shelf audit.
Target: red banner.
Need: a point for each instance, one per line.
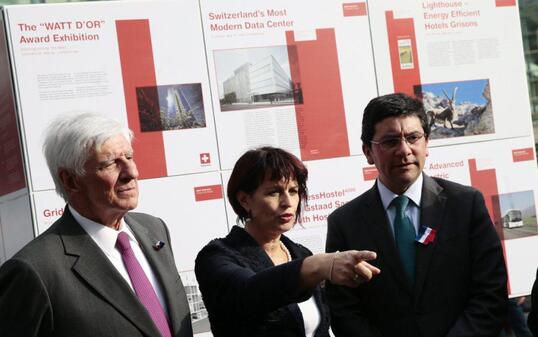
(403, 53)
(315, 75)
(138, 70)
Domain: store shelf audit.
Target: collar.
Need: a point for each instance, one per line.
(105, 237)
(414, 192)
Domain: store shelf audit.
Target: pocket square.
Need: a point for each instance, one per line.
(426, 235)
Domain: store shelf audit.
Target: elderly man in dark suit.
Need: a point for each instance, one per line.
(99, 270)
(442, 261)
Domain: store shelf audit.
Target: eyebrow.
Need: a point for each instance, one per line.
(296, 185)
(397, 135)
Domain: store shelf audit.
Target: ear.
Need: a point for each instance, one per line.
(367, 150)
(244, 200)
(69, 181)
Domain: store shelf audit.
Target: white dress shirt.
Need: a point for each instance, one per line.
(105, 237)
(311, 316)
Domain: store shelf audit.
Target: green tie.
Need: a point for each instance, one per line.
(404, 234)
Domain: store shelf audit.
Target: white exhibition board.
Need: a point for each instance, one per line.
(455, 51)
(123, 63)
(316, 55)
(200, 82)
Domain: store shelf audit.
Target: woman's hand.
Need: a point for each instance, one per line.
(350, 268)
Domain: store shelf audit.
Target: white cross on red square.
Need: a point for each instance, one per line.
(205, 158)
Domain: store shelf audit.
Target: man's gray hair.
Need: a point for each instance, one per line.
(70, 138)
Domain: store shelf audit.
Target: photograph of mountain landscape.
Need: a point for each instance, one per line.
(457, 109)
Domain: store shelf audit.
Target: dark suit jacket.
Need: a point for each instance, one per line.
(247, 296)
(532, 321)
(460, 287)
(62, 284)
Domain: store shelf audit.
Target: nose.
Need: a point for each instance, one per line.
(285, 200)
(129, 170)
(404, 147)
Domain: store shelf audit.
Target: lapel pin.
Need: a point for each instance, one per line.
(426, 235)
(158, 245)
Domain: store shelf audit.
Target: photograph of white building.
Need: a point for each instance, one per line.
(255, 78)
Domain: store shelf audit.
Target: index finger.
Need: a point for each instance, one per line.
(364, 255)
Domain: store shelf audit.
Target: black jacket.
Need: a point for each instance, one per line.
(246, 295)
(533, 315)
(460, 277)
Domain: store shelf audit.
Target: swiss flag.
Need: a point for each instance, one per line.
(205, 158)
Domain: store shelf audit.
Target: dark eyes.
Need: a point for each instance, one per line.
(413, 138)
(391, 142)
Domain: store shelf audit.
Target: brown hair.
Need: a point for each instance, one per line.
(391, 105)
(254, 166)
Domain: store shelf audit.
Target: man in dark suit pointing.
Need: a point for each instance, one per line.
(443, 267)
(99, 270)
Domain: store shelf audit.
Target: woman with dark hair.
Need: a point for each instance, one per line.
(257, 282)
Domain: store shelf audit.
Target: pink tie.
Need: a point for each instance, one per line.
(142, 286)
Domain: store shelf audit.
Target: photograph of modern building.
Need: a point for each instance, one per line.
(255, 78)
(199, 316)
(171, 107)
